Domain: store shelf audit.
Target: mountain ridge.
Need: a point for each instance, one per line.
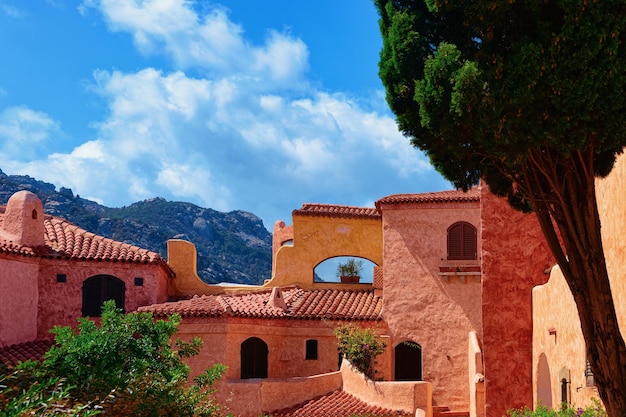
(232, 246)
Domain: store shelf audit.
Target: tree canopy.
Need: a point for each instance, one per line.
(529, 96)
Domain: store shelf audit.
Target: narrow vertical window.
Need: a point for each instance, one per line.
(462, 241)
(311, 349)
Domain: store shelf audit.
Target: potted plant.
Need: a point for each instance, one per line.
(350, 271)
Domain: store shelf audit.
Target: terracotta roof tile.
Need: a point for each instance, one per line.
(300, 304)
(330, 210)
(337, 404)
(450, 196)
(67, 241)
(11, 355)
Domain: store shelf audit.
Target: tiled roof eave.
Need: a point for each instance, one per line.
(336, 211)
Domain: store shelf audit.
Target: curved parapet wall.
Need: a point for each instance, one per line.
(322, 231)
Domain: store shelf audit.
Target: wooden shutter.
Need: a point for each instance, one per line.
(462, 241)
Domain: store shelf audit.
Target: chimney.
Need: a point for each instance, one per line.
(23, 220)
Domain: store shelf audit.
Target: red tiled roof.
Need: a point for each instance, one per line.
(330, 210)
(11, 355)
(67, 241)
(337, 404)
(300, 304)
(450, 196)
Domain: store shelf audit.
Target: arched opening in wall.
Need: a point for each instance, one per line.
(100, 288)
(408, 362)
(287, 243)
(254, 353)
(462, 242)
(326, 271)
(544, 387)
(564, 378)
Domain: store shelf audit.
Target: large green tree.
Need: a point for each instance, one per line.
(530, 96)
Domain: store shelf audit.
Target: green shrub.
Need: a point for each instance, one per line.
(359, 346)
(566, 410)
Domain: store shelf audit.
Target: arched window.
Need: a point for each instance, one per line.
(100, 288)
(254, 354)
(311, 349)
(462, 241)
(408, 362)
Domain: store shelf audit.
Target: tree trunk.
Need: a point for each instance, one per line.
(563, 193)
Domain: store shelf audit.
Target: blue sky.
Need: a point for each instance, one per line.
(235, 105)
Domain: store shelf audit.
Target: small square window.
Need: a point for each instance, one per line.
(138, 282)
(61, 278)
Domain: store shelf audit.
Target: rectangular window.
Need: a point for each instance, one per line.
(311, 349)
(61, 278)
(138, 282)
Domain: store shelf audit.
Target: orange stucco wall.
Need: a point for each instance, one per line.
(514, 258)
(423, 306)
(286, 341)
(317, 238)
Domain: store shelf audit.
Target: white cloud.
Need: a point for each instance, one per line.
(12, 11)
(230, 138)
(24, 132)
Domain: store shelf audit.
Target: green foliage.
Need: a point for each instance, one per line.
(476, 84)
(21, 394)
(350, 268)
(125, 366)
(359, 346)
(566, 410)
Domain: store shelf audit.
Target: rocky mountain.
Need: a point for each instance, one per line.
(232, 247)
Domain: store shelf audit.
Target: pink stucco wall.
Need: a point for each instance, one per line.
(65, 313)
(421, 305)
(514, 258)
(19, 292)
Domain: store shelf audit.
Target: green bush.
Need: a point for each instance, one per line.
(566, 410)
(359, 346)
(125, 366)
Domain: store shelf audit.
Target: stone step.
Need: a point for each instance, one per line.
(444, 411)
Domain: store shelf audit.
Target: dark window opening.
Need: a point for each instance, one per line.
(564, 391)
(408, 362)
(462, 242)
(100, 288)
(34, 214)
(138, 282)
(61, 278)
(254, 353)
(311, 349)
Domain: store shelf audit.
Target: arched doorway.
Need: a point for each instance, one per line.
(408, 362)
(100, 288)
(544, 387)
(254, 354)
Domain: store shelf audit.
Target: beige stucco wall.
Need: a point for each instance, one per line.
(420, 305)
(556, 330)
(611, 196)
(20, 295)
(317, 238)
(557, 335)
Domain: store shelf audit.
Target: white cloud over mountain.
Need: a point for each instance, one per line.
(231, 125)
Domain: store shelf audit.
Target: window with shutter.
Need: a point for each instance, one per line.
(462, 240)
